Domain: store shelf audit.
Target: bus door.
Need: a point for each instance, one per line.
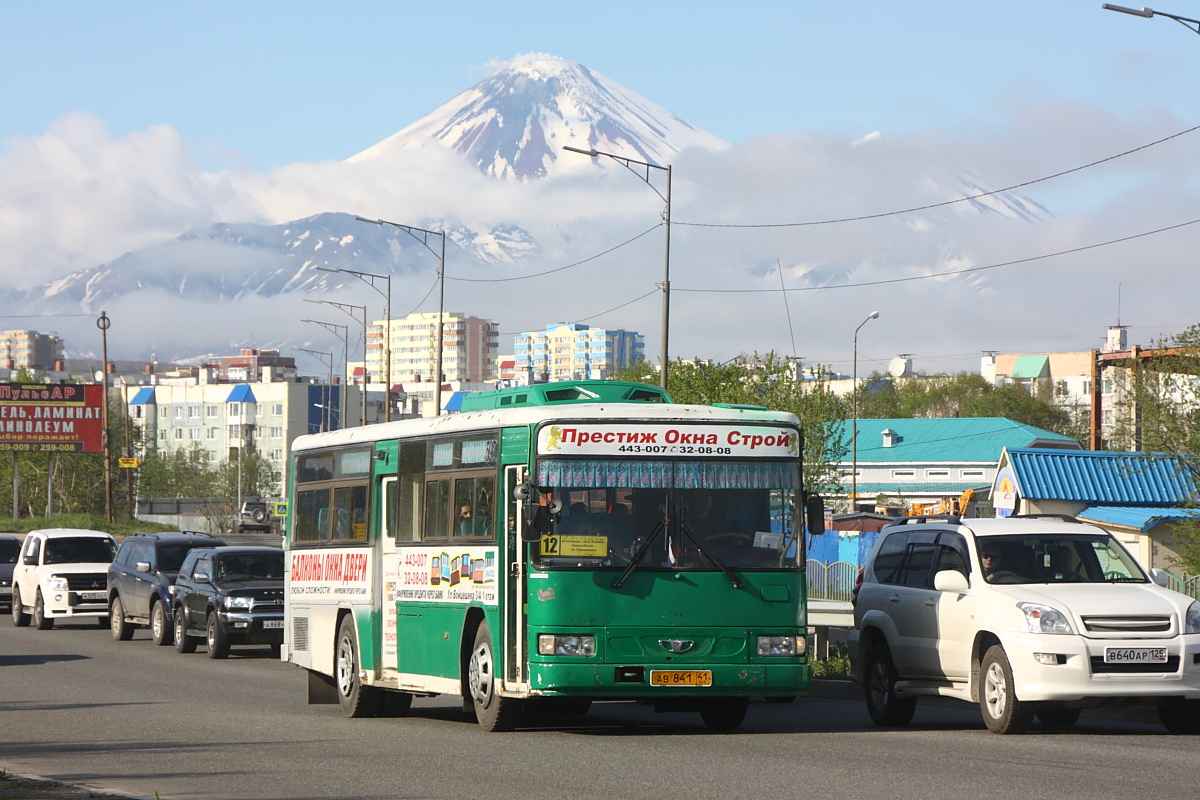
(512, 604)
(386, 575)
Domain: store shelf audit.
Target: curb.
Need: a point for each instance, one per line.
(92, 791)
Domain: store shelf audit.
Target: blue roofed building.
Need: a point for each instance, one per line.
(1135, 496)
(927, 460)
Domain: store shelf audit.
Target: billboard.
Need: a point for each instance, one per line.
(42, 418)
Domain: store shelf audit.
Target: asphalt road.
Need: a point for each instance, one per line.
(77, 706)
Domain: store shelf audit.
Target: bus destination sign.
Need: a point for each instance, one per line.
(681, 440)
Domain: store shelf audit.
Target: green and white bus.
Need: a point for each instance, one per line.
(551, 546)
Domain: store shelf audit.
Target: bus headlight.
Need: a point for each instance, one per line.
(557, 644)
(780, 646)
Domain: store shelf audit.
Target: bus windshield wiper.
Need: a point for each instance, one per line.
(721, 565)
(632, 565)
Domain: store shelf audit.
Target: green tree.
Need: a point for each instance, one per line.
(964, 395)
(768, 380)
(1164, 396)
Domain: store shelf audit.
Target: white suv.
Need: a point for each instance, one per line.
(62, 574)
(1057, 617)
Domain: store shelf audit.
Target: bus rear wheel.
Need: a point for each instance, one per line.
(493, 712)
(355, 699)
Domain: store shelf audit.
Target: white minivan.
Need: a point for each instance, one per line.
(1028, 617)
(62, 573)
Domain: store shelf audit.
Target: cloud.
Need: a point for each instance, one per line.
(77, 196)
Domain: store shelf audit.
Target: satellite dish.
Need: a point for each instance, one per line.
(900, 367)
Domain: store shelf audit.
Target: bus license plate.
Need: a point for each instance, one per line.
(272, 623)
(1135, 655)
(680, 677)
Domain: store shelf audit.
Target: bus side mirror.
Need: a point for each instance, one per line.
(814, 514)
(539, 514)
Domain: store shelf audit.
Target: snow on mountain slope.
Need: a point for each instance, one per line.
(228, 261)
(514, 123)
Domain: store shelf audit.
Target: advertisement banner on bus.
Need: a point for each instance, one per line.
(679, 440)
(330, 573)
(447, 574)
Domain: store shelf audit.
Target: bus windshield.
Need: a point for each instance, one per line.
(677, 515)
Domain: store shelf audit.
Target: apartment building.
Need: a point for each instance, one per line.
(469, 348)
(224, 418)
(30, 350)
(572, 351)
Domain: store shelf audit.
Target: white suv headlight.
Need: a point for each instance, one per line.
(1192, 624)
(1044, 619)
(57, 583)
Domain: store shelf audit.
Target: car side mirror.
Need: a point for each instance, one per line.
(201, 577)
(1159, 577)
(950, 580)
(142, 566)
(30, 560)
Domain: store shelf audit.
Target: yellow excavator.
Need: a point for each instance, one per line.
(947, 505)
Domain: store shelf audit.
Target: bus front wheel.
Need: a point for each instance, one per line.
(355, 699)
(493, 712)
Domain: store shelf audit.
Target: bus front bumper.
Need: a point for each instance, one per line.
(594, 679)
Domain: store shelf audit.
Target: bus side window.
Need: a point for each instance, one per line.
(437, 509)
(312, 515)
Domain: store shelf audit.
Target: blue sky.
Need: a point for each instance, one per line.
(125, 124)
(270, 83)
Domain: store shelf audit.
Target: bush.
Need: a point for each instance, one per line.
(94, 522)
(836, 666)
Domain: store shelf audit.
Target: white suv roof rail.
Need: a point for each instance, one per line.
(917, 520)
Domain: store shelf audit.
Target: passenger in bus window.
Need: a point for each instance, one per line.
(464, 521)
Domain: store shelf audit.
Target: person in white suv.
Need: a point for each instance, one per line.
(62, 574)
(1024, 616)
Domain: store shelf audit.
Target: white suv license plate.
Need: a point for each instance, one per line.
(1135, 655)
(91, 597)
(272, 623)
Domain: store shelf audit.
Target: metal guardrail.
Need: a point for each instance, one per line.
(830, 581)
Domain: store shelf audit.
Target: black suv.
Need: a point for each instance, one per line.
(141, 581)
(229, 595)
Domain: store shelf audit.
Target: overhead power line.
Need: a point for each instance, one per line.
(558, 269)
(911, 278)
(942, 204)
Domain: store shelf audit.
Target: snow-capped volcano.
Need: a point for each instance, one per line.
(514, 123)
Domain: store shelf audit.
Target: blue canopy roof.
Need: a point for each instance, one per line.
(1143, 519)
(455, 402)
(241, 394)
(1102, 477)
(144, 396)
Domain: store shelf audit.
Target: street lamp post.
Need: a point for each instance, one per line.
(423, 238)
(1147, 12)
(345, 337)
(349, 309)
(326, 411)
(854, 414)
(369, 279)
(629, 163)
